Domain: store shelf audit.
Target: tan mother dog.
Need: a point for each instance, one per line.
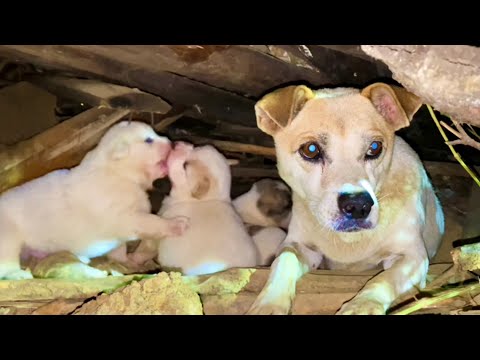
(92, 208)
(361, 197)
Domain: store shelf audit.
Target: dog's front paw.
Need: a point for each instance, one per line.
(178, 226)
(362, 306)
(265, 306)
(268, 309)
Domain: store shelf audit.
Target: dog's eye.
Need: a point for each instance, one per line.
(374, 150)
(310, 151)
(149, 140)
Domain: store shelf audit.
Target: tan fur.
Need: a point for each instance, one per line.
(217, 238)
(92, 208)
(266, 210)
(267, 203)
(404, 227)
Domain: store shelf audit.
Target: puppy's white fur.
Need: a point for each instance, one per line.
(91, 208)
(217, 238)
(402, 231)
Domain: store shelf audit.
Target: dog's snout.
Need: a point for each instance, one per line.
(355, 205)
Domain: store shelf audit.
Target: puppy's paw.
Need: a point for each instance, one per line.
(18, 275)
(362, 306)
(177, 226)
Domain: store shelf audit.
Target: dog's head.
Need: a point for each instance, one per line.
(334, 146)
(198, 173)
(133, 149)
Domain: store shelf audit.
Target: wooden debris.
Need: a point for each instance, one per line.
(102, 94)
(26, 111)
(467, 257)
(62, 146)
(58, 307)
(203, 101)
(228, 292)
(446, 77)
(233, 146)
(440, 299)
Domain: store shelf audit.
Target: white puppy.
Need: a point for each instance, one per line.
(217, 238)
(265, 209)
(92, 208)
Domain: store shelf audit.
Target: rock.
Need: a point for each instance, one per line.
(163, 294)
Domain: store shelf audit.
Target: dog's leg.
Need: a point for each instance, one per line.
(276, 298)
(150, 226)
(379, 293)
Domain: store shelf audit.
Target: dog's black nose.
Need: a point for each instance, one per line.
(356, 206)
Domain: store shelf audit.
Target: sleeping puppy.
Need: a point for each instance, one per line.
(217, 238)
(361, 197)
(266, 210)
(267, 203)
(91, 208)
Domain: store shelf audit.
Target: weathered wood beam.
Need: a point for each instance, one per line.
(62, 146)
(99, 93)
(445, 76)
(226, 67)
(232, 146)
(202, 101)
(352, 50)
(253, 172)
(349, 70)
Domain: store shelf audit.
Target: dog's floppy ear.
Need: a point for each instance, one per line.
(394, 103)
(120, 150)
(277, 109)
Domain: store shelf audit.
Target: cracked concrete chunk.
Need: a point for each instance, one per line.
(163, 294)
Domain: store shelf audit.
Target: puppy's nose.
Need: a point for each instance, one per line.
(356, 205)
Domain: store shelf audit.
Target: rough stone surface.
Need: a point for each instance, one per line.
(164, 294)
(446, 77)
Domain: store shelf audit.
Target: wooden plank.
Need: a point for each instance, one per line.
(99, 93)
(203, 101)
(226, 67)
(228, 292)
(62, 146)
(232, 146)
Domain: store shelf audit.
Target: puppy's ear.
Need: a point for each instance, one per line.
(394, 103)
(199, 179)
(201, 187)
(120, 150)
(276, 110)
